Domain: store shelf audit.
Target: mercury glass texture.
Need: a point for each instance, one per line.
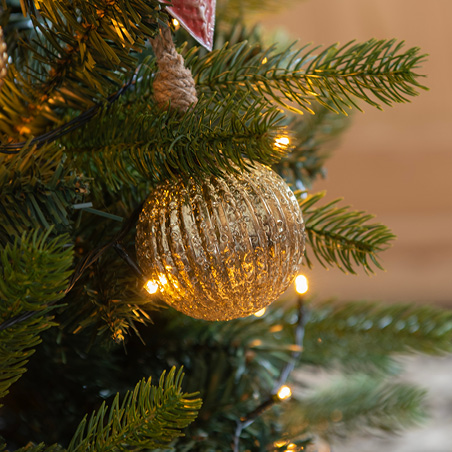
(222, 248)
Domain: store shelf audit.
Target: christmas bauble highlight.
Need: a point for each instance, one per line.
(224, 247)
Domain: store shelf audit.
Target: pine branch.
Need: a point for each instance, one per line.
(74, 62)
(376, 72)
(311, 139)
(341, 237)
(363, 335)
(233, 358)
(34, 270)
(149, 417)
(18, 344)
(33, 276)
(36, 191)
(133, 143)
(354, 403)
(110, 300)
(40, 448)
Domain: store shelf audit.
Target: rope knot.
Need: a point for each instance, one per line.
(173, 83)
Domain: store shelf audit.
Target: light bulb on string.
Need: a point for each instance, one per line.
(282, 142)
(284, 392)
(301, 284)
(260, 313)
(151, 286)
(291, 447)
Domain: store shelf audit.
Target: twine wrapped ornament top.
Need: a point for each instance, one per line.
(173, 84)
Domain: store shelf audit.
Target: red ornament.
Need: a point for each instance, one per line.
(197, 17)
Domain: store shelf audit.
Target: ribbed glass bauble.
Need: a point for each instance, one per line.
(224, 247)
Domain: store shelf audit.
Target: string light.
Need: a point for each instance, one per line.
(176, 24)
(284, 392)
(301, 284)
(282, 142)
(151, 287)
(260, 313)
(265, 60)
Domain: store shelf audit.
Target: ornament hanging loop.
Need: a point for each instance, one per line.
(173, 84)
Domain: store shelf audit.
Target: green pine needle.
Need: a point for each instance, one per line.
(36, 191)
(30, 447)
(357, 403)
(361, 335)
(132, 144)
(71, 62)
(34, 272)
(376, 72)
(312, 138)
(340, 237)
(33, 275)
(149, 417)
(18, 343)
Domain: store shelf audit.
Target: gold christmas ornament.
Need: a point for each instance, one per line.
(222, 248)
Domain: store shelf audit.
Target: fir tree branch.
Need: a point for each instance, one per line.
(33, 275)
(35, 270)
(74, 62)
(250, 417)
(341, 237)
(356, 402)
(363, 335)
(376, 72)
(40, 448)
(60, 131)
(149, 417)
(132, 144)
(37, 191)
(311, 140)
(18, 343)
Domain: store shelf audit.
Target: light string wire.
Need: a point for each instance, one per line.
(273, 398)
(64, 129)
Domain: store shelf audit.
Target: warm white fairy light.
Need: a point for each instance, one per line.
(291, 446)
(176, 23)
(301, 284)
(282, 142)
(284, 392)
(151, 287)
(260, 313)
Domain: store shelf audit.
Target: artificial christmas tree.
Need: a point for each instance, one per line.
(86, 137)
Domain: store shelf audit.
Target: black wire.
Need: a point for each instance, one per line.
(75, 123)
